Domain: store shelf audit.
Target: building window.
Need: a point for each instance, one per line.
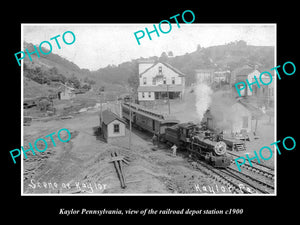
(173, 80)
(159, 70)
(144, 80)
(153, 81)
(149, 94)
(254, 90)
(271, 93)
(143, 94)
(165, 80)
(245, 121)
(116, 128)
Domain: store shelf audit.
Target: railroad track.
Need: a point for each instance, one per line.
(238, 182)
(257, 178)
(255, 168)
(263, 184)
(231, 182)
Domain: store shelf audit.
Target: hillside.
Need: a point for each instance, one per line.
(229, 57)
(53, 67)
(125, 75)
(33, 89)
(64, 66)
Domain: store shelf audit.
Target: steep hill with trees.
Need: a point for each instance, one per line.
(222, 57)
(124, 76)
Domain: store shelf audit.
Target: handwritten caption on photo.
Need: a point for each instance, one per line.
(86, 187)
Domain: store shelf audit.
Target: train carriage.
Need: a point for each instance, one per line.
(187, 136)
(147, 120)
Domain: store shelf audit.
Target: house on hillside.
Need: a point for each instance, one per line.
(111, 125)
(221, 76)
(159, 81)
(263, 94)
(213, 78)
(204, 76)
(65, 92)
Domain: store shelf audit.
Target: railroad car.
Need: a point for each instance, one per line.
(234, 144)
(203, 143)
(148, 120)
(187, 136)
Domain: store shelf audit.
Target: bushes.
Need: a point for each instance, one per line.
(43, 76)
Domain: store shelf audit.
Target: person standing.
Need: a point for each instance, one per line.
(174, 149)
(154, 140)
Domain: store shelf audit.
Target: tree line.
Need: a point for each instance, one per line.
(46, 76)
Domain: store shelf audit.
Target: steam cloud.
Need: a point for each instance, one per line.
(221, 110)
(203, 98)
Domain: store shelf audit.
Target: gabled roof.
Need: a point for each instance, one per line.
(256, 112)
(109, 116)
(63, 86)
(167, 65)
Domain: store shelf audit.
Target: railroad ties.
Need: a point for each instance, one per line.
(258, 180)
(118, 160)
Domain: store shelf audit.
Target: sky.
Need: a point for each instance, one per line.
(98, 45)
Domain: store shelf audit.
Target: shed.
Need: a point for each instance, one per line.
(65, 92)
(111, 125)
(236, 118)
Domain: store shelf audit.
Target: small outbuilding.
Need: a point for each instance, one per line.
(111, 125)
(236, 118)
(65, 92)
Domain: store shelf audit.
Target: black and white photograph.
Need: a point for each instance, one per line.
(162, 109)
(149, 111)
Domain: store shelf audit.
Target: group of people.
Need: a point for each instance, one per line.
(155, 142)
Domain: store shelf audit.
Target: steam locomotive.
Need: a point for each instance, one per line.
(187, 136)
(199, 141)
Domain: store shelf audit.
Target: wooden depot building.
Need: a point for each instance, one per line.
(111, 125)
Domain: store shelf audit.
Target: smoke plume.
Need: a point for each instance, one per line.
(203, 98)
(221, 110)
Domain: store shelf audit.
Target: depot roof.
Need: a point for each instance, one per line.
(109, 117)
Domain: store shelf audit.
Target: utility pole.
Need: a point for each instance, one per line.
(132, 94)
(168, 98)
(100, 94)
(130, 117)
(130, 124)
(100, 106)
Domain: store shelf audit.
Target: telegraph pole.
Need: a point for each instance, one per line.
(100, 94)
(130, 125)
(130, 117)
(168, 98)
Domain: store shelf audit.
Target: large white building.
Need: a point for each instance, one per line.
(158, 81)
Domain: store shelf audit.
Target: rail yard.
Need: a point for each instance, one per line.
(86, 163)
(200, 143)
